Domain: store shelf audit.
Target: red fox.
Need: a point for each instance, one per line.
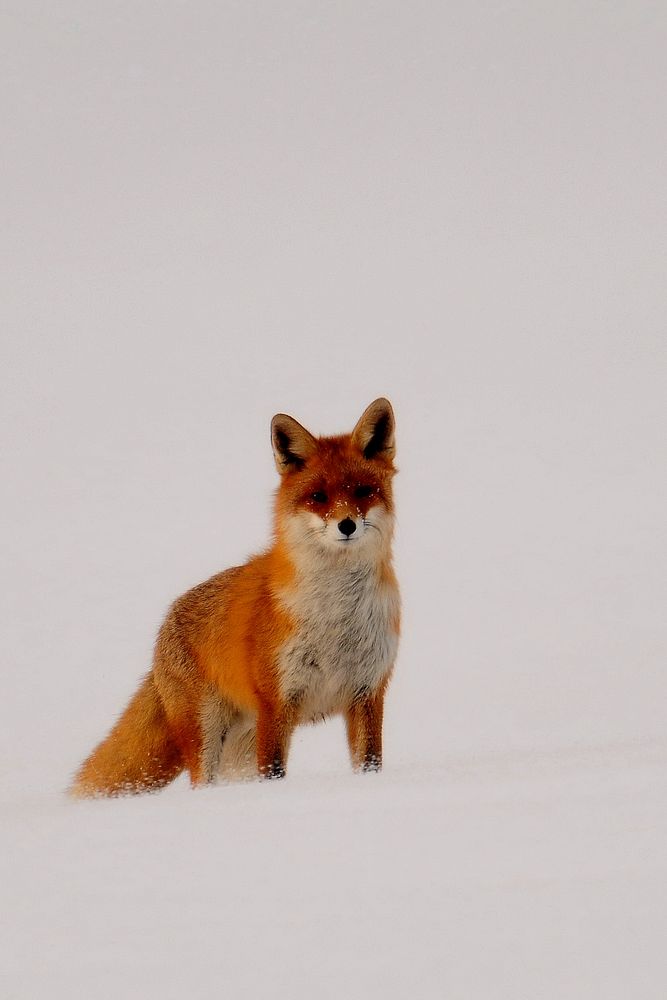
(305, 630)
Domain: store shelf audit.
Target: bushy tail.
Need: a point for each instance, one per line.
(138, 755)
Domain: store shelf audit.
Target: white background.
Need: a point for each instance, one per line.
(215, 211)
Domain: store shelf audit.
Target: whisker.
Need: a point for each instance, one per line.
(314, 532)
(369, 524)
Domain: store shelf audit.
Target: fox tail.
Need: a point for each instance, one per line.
(138, 755)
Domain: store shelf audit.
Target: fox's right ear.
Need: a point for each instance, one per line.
(292, 444)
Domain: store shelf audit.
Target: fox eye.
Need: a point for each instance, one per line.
(319, 496)
(364, 491)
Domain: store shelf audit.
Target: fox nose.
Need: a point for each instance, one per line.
(347, 526)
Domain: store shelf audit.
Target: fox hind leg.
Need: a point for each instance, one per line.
(216, 719)
(196, 717)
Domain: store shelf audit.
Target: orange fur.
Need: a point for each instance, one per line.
(234, 647)
(140, 752)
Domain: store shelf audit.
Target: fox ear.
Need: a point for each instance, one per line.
(292, 444)
(374, 433)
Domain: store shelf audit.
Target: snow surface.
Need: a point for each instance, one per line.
(213, 212)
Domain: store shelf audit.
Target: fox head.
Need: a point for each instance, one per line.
(335, 494)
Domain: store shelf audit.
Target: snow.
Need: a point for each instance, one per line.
(499, 875)
(215, 212)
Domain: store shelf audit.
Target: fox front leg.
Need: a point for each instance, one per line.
(274, 730)
(364, 730)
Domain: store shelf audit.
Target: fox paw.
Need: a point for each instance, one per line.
(273, 771)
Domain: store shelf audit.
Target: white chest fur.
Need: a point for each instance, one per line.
(345, 641)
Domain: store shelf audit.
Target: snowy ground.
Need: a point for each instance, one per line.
(492, 876)
(214, 212)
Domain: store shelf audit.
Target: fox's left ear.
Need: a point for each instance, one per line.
(374, 433)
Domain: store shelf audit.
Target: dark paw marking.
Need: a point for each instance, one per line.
(274, 771)
(372, 763)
